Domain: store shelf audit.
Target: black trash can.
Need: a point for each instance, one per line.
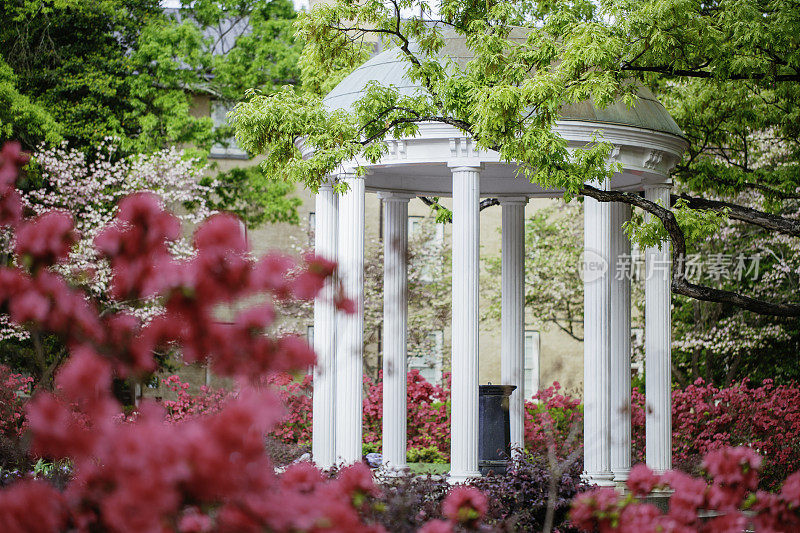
(494, 428)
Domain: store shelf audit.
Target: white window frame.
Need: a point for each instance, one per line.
(433, 362)
(532, 373)
(219, 115)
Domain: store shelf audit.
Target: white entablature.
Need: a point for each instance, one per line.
(421, 165)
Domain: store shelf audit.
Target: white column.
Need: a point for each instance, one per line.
(597, 342)
(323, 443)
(621, 269)
(657, 347)
(466, 262)
(395, 323)
(350, 327)
(512, 313)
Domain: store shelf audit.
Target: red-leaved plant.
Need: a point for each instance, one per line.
(726, 501)
(187, 405)
(14, 389)
(201, 473)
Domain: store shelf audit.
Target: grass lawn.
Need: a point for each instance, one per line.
(429, 468)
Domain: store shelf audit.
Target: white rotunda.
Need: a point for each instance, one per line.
(442, 161)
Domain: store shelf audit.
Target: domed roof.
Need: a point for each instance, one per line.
(389, 69)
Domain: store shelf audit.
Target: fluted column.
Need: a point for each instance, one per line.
(512, 314)
(620, 343)
(323, 442)
(657, 347)
(597, 342)
(464, 391)
(395, 323)
(350, 327)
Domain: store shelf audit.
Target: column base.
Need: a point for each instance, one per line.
(601, 479)
(456, 478)
(621, 476)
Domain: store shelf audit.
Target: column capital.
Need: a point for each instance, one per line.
(604, 185)
(348, 174)
(468, 165)
(390, 196)
(657, 186)
(513, 200)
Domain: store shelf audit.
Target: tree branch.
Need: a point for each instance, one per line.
(681, 285)
(665, 70)
(485, 203)
(745, 214)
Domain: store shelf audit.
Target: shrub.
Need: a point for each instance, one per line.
(428, 412)
(716, 503)
(295, 426)
(519, 501)
(706, 418)
(189, 405)
(405, 503)
(14, 391)
(200, 473)
(553, 420)
(431, 454)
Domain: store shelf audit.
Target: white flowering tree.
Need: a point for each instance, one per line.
(89, 186)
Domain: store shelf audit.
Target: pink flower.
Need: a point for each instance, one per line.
(45, 240)
(193, 521)
(356, 479)
(302, 477)
(10, 208)
(465, 505)
(642, 480)
(790, 491)
(639, 518)
(32, 506)
(222, 231)
(688, 497)
(437, 526)
(594, 509)
(734, 466)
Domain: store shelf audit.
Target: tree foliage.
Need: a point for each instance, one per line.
(126, 69)
(729, 72)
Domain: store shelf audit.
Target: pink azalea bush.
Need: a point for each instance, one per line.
(553, 419)
(14, 389)
(188, 405)
(550, 417)
(196, 473)
(706, 418)
(295, 425)
(727, 500)
(201, 473)
(428, 413)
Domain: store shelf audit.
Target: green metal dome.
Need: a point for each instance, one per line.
(389, 68)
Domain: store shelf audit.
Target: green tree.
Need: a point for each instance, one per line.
(734, 66)
(128, 69)
(553, 284)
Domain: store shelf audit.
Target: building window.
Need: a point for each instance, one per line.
(219, 115)
(531, 363)
(310, 341)
(431, 265)
(415, 223)
(429, 365)
(637, 351)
